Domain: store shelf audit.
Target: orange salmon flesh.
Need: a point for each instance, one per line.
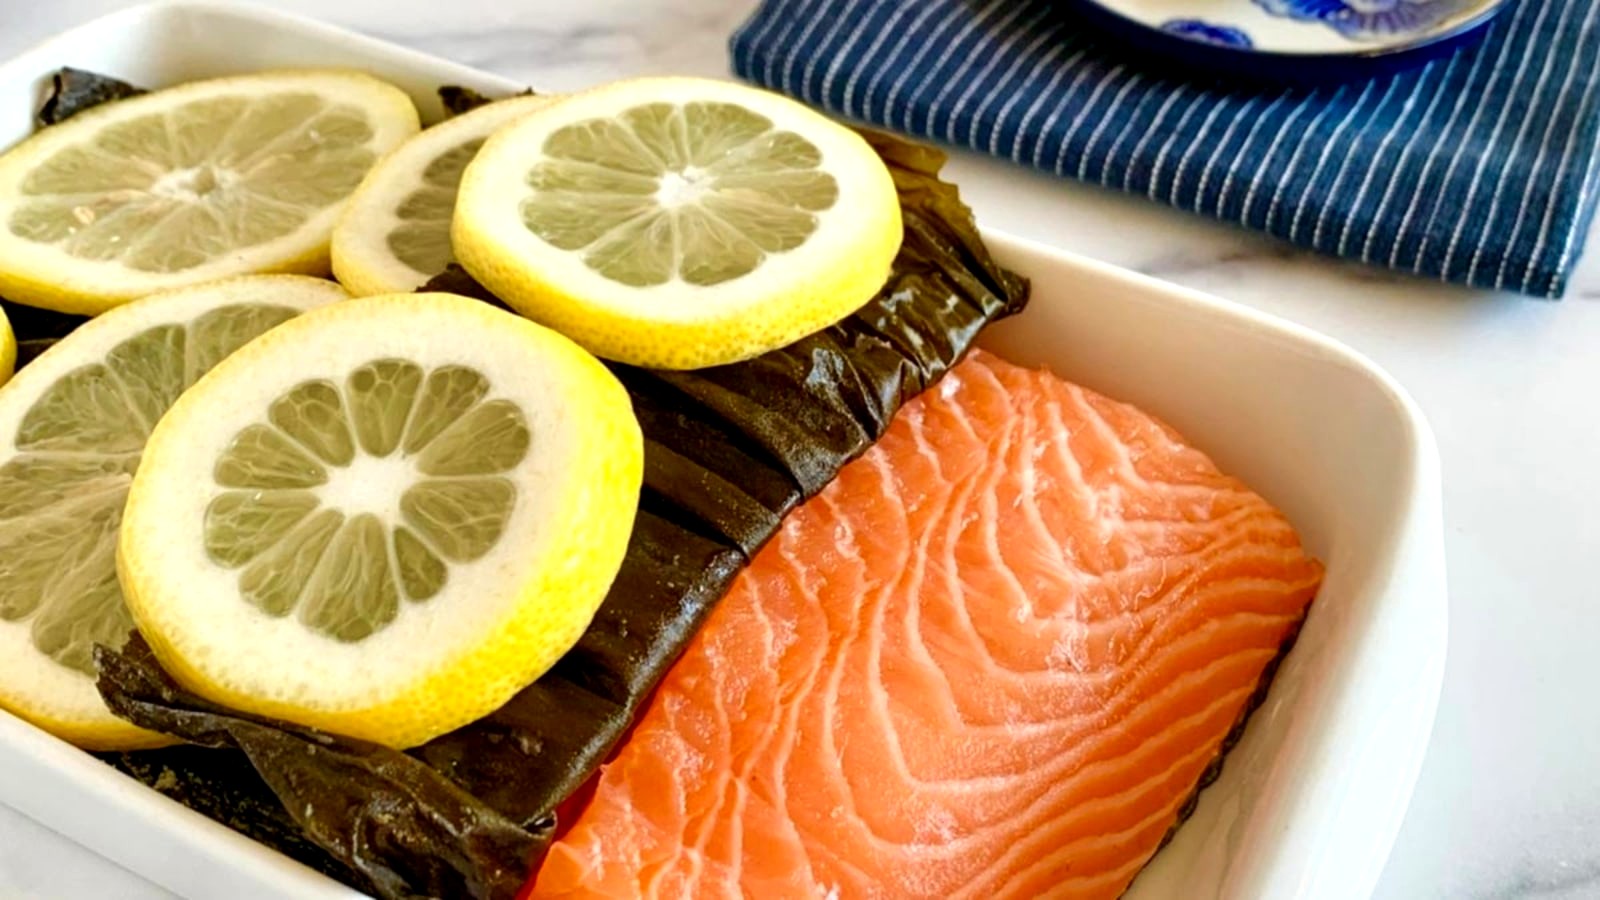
(991, 660)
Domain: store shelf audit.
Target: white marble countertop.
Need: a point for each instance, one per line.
(1508, 805)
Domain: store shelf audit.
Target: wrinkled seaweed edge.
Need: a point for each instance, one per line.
(73, 91)
(457, 99)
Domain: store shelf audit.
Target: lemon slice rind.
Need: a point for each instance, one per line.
(8, 349)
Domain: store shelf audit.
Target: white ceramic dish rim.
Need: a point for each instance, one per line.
(182, 850)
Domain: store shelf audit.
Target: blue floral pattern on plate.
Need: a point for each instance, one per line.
(1361, 19)
(1207, 33)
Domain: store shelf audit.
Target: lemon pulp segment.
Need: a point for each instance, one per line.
(699, 191)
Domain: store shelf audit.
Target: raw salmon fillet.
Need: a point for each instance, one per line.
(991, 660)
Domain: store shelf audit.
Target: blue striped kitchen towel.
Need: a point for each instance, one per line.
(1478, 169)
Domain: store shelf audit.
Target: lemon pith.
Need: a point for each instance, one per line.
(189, 184)
(73, 426)
(438, 655)
(678, 222)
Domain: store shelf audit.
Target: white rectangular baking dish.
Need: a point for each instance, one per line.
(1309, 802)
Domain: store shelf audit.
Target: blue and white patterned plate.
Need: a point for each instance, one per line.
(1299, 37)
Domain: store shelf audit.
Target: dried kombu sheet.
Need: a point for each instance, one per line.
(224, 786)
(404, 829)
(728, 452)
(457, 99)
(37, 330)
(541, 746)
(74, 90)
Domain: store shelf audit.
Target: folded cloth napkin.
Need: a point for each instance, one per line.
(1478, 169)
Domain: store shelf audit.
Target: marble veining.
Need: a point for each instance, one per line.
(1508, 804)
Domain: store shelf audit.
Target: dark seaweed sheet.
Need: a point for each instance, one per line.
(74, 90)
(224, 786)
(728, 452)
(457, 99)
(37, 330)
(347, 792)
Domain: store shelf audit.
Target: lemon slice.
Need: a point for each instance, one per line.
(8, 348)
(73, 426)
(384, 518)
(190, 184)
(395, 233)
(678, 222)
